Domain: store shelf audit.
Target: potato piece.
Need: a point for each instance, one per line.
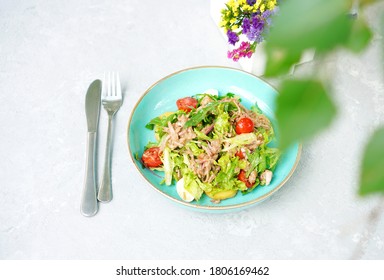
(222, 195)
(166, 114)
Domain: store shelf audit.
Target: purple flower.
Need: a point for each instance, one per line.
(256, 29)
(267, 15)
(246, 25)
(232, 37)
(251, 2)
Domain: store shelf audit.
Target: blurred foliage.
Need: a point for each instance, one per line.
(304, 107)
(372, 173)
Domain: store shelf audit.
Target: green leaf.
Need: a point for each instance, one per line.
(254, 160)
(163, 120)
(302, 25)
(255, 108)
(368, 2)
(240, 140)
(311, 24)
(360, 35)
(168, 165)
(222, 124)
(280, 61)
(192, 184)
(372, 174)
(303, 109)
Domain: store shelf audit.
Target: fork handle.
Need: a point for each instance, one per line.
(105, 191)
(89, 205)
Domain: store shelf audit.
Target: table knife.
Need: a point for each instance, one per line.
(89, 204)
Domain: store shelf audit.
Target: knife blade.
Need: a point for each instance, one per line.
(89, 206)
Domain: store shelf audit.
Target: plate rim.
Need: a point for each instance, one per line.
(207, 207)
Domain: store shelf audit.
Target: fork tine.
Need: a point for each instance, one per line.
(113, 86)
(110, 81)
(118, 85)
(105, 84)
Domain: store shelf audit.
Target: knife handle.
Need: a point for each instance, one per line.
(89, 205)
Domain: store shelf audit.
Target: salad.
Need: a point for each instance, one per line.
(212, 145)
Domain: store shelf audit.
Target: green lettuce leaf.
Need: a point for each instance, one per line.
(192, 184)
(194, 148)
(226, 179)
(240, 140)
(222, 124)
(168, 166)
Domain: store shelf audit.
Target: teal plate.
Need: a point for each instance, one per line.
(161, 97)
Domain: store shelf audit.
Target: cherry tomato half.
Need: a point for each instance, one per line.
(244, 125)
(244, 179)
(240, 154)
(186, 104)
(151, 157)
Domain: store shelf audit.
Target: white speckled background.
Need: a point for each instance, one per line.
(49, 53)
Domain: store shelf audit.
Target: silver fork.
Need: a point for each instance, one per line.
(111, 100)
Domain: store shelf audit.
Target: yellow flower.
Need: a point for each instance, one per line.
(231, 3)
(271, 4)
(262, 7)
(247, 8)
(256, 6)
(232, 20)
(235, 27)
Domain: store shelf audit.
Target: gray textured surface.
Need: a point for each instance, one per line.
(49, 53)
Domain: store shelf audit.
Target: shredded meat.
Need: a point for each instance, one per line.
(213, 148)
(178, 134)
(163, 142)
(211, 178)
(204, 166)
(266, 177)
(208, 129)
(261, 121)
(257, 143)
(252, 177)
